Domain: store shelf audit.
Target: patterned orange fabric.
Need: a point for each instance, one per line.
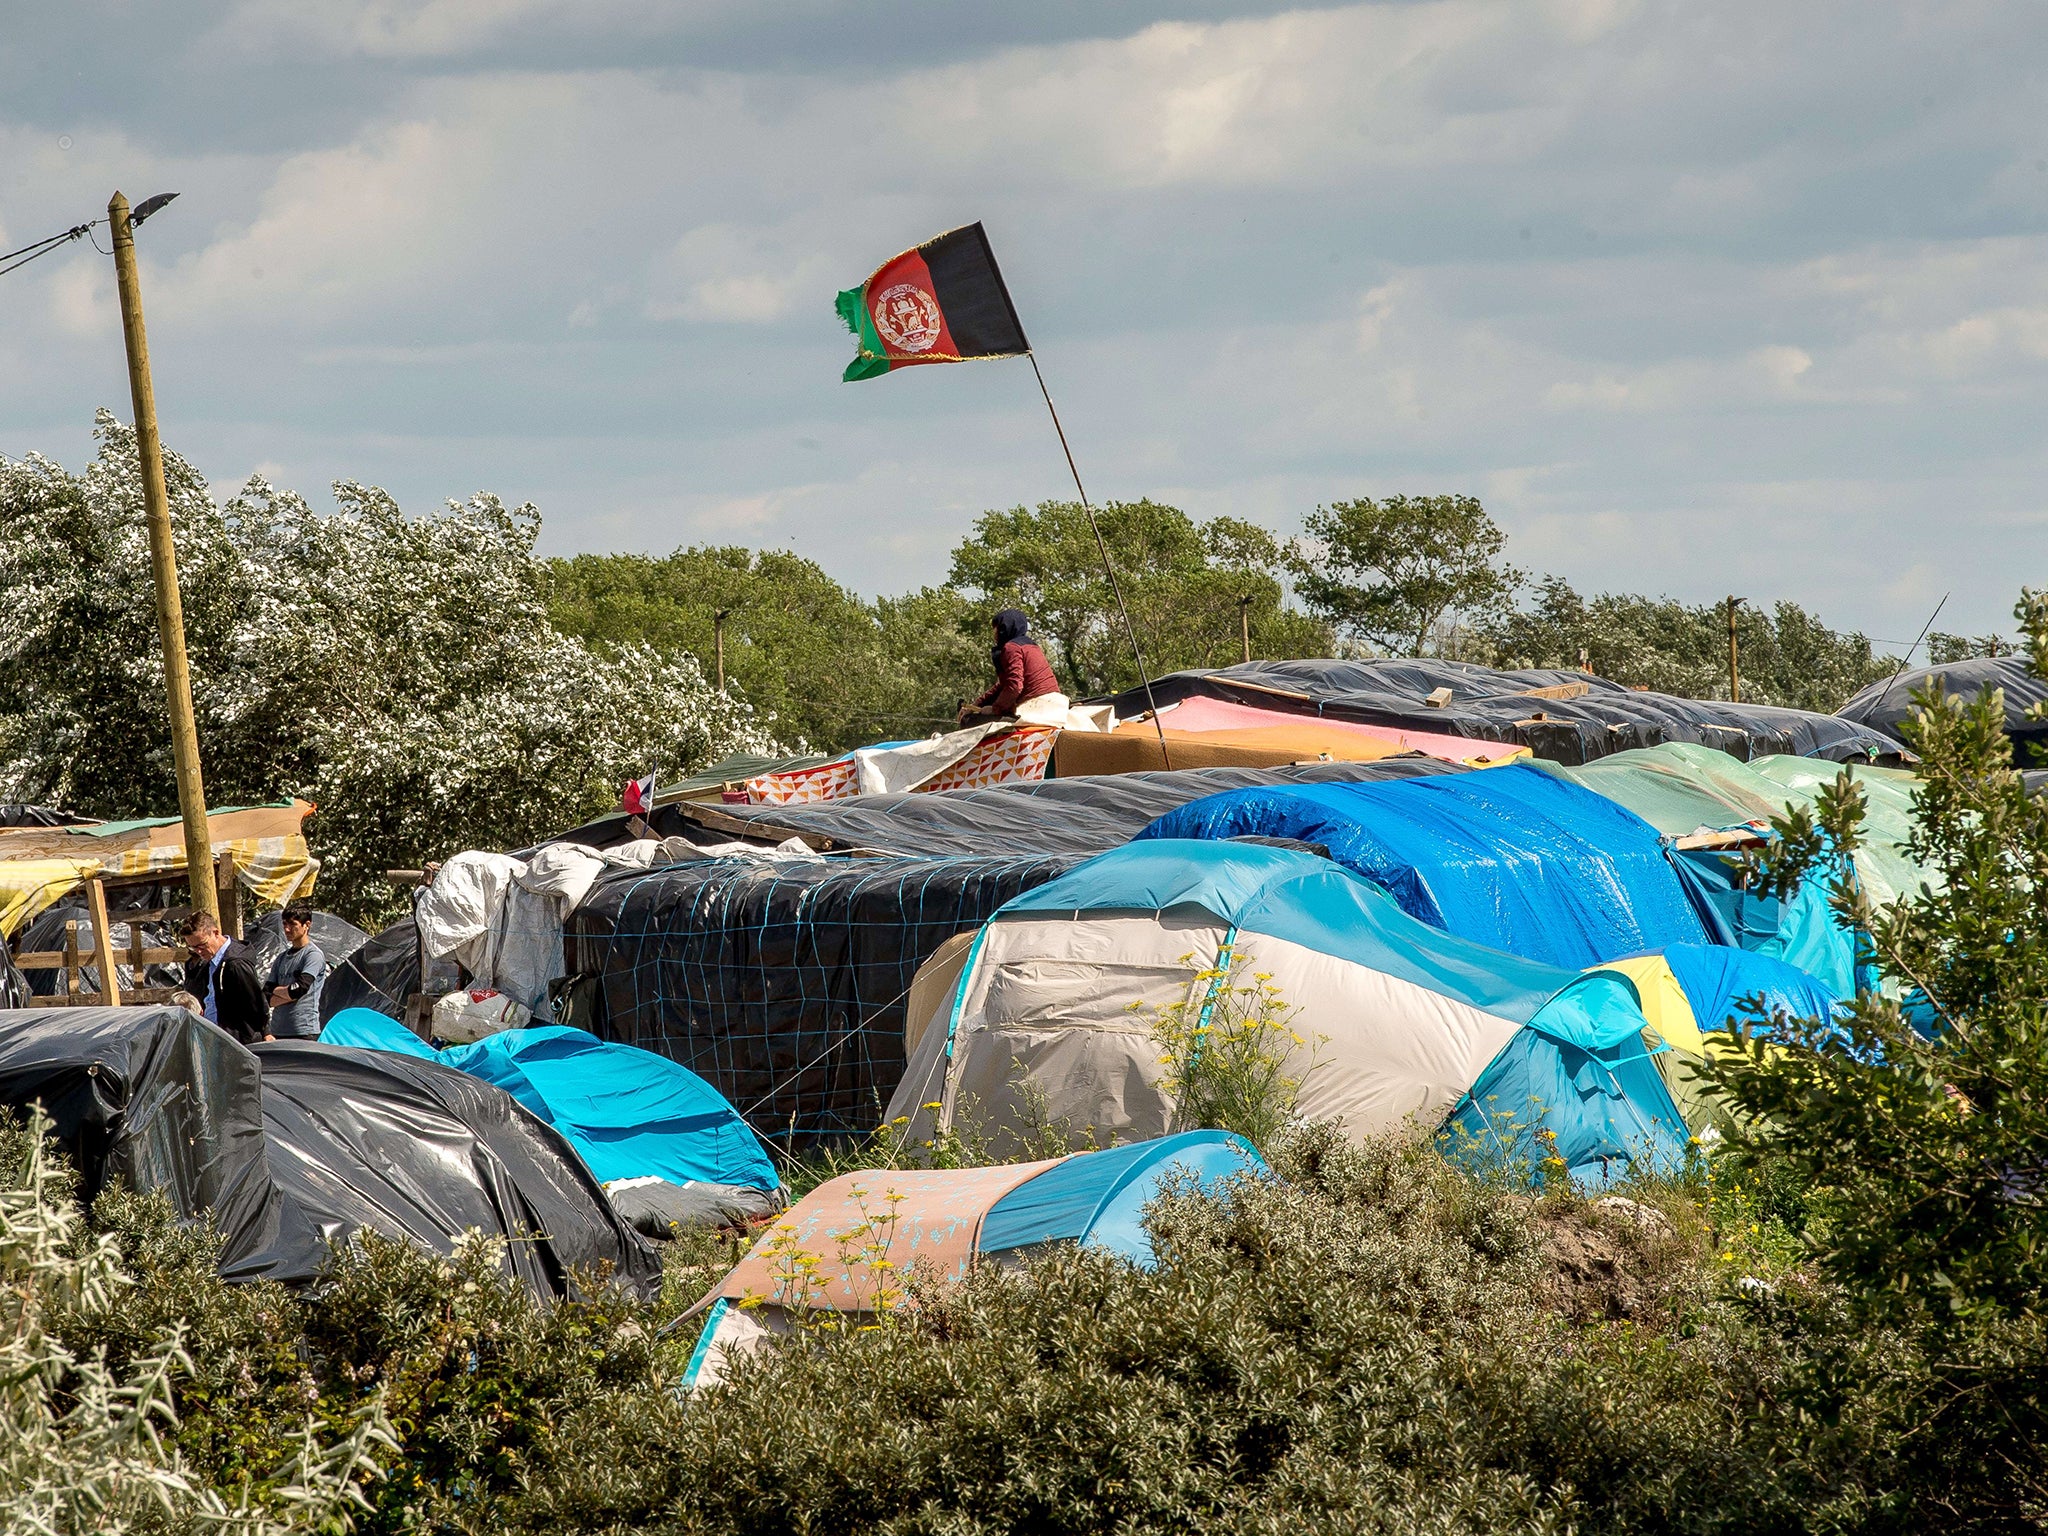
(827, 781)
(1015, 755)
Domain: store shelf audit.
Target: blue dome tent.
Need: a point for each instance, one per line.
(851, 1244)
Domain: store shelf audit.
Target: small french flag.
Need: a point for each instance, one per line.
(639, 797)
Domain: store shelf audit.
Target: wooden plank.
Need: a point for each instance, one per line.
(735, 826)
(54, 959)
(1734, 837)
(103, 944)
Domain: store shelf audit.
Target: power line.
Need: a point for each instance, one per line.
(29, 253)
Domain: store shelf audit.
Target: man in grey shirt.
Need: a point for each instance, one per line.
(293, 986)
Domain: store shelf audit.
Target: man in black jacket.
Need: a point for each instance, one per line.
(223, 977)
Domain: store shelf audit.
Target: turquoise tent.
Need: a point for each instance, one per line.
(629, 1113)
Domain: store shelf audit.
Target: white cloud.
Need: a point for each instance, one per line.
(1269, 261)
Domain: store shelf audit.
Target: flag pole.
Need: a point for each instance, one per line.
(1108, 567)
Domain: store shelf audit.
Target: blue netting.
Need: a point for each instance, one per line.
(783, 985)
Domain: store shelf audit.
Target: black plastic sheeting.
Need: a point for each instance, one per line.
(1497, 706)
(1080, 815)
(411, 1148)
(14, 987)
(159, 1098)
(1886, 706)
(296, 1145)
(382, 972)
(784, 985)
(14, 814)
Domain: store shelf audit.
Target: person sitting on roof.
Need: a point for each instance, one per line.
(1025, 686)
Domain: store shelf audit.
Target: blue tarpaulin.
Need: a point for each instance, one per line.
(628, 1113)
(1309, 901)
(1511, 857)
(1800, 930)
(1098, 1199)
(1718, 981)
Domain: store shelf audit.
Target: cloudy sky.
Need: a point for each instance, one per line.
(1747, 297)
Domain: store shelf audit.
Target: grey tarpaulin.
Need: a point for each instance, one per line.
(296, 1144)
(414, 1149)
(784, 985)
(1079, 815)
(1600, 717)
(1887, 706)
(337, 937)
(157, 1097)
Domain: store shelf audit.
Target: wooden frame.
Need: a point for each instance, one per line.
(137, 955)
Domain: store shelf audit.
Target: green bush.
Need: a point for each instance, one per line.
(1377, 1341)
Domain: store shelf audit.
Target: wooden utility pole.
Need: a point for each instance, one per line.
(718, 642)
(163, 559)
(1734, 674)
(1244, 623)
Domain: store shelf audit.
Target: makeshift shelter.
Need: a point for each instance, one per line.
(1401, 1021)
(1078, 816)
(50, 930)
(1677, 783)
(629, 1114)
(782, 985)
(1514, 858)
(854, 1243)
(293, 1146)
(415, 1150)
(1885, 707)
(1566, 717)
(160, 1099)
(39, 864)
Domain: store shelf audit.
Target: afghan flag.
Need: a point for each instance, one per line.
(943, 302)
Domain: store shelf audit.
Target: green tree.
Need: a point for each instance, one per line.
(1944, 648)
(1925, 1149)
(398, 671)
(1181, 580)
(1391, 572)
(937, 649)
(798, 645)
(1788, 656)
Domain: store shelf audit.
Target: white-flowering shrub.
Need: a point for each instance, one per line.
(399, 671)
(84, 1450)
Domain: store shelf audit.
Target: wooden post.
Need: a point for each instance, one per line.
(718, 642)
(71, 980)
(1244, 623)
(103, 944)
(228, 890)
(163, 559)
(1734, 675)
